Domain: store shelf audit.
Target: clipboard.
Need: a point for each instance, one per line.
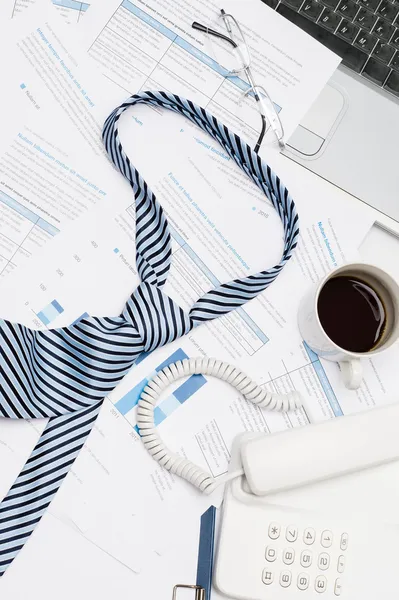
(198, 595)
(202, 588)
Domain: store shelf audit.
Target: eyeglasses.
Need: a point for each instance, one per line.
(242, 58)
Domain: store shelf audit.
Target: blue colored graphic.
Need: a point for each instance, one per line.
(183, 393)
(172, 402)
(51, 312)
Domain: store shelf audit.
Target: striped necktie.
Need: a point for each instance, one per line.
(64, 374)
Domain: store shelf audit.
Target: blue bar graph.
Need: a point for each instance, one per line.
(50, 312)
(183, 393)
(129, 400)
(170, 404)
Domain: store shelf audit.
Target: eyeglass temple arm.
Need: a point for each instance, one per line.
(261, 135)
(204, 29)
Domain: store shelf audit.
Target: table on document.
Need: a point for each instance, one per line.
(21, 232)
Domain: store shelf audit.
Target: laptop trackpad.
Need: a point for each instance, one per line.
(319, 123)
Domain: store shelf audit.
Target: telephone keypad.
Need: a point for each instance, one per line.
(320, 553)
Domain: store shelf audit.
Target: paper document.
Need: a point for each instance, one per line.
(147, 45)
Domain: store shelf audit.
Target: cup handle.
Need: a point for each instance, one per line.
(352, 373)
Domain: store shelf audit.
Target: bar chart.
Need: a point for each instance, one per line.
(187, 389)
(50, 312)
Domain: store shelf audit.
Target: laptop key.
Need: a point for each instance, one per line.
(352, 57)
(387, 10)
(348, 9)
(395, 39)
(383, 52)
(383, 29)
(294, 3)
(370, 4)
(395, 61)
(330, 20)
(392, 83)
(365, 41)
(311, 9)
(375, 71)
(331, 3)
(348, 30)
(365, 19)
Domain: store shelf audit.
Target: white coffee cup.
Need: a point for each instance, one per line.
(317, 339)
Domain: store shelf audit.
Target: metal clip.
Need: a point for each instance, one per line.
(199, 591)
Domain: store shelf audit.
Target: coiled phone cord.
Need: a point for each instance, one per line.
(171, 461)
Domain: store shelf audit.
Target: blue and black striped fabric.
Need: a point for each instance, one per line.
(64, 374)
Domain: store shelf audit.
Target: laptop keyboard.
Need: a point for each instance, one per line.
(364, 33)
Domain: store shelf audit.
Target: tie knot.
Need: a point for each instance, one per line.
(155, 316)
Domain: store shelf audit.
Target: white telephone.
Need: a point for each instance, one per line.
(270, 551)
(266, 551)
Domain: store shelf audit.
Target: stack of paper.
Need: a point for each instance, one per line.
(67, 248)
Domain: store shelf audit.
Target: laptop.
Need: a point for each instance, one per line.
(350, 137)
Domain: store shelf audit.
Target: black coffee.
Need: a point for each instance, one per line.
(351, 313)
